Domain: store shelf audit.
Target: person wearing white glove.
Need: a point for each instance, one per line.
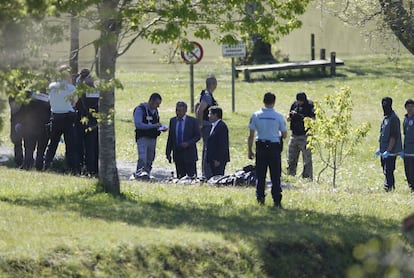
(389, 143)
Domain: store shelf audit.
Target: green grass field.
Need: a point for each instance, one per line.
(59, 226)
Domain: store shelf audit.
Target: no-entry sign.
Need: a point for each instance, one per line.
(194, 56)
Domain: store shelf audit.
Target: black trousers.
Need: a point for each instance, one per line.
(388, 168)
(218, 170)
(34, 141)
(409, 170)
(63, 124)
(16, 137)
(87, 145)
(268, 156)
(184, 166)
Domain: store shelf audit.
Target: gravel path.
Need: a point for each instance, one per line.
(125, 168)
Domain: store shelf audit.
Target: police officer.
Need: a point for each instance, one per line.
(35, 134)
(86, 123)
(408, 154)
(147, 129)
(205, 102)
(271, 129)
(389, 142)
(300, 109)
(16, 136)
(62, 99)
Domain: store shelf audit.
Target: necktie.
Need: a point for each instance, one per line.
(180, 132)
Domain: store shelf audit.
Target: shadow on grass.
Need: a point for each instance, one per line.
(276, 234)
(59, 165)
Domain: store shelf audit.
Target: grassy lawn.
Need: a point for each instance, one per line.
(59, 226)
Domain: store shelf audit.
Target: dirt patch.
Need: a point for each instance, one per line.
(125, 168)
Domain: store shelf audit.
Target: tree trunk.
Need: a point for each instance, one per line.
(400, 22)
(74, 43)
(110, 26)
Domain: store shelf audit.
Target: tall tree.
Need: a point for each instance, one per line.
(378, 20)
(110, 30)
(399, 17)
(74, 42)
(23, 32)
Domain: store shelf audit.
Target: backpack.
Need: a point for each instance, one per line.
(244, 177)
(197, 105)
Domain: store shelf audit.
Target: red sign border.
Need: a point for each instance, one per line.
(198, 58)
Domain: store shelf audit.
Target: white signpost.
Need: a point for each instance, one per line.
(237, 50)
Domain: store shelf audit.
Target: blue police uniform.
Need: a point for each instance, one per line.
(268, 125)
(390, 128)
(87, 131)
(408, 127)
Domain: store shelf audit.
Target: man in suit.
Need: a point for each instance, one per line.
(218, 142)
(183, 135)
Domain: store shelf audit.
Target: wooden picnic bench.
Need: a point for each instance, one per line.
(321, 63)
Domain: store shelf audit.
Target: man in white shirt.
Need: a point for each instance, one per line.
(62, 99)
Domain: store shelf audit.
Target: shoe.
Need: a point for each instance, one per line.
(142, 176)
(261, 202)
(277, 205)
(46, 166)
(389, 188)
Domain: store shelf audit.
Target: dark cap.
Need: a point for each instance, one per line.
(301, 96)
(84, 73)
(408, 101)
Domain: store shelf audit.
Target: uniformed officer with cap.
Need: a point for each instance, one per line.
(271, 129)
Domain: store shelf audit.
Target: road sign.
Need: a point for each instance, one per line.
(238, 50)
(194, 56)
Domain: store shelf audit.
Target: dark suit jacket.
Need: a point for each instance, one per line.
(191, 136)
(218, 144)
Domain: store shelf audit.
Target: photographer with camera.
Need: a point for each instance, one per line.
(300, 109)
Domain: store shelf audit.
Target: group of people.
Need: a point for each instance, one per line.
(267, 128)
(391, 145)
(184, 131)
(59, 110)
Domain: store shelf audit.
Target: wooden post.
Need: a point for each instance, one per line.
(312, 47)
(192, 87)
(246, 75)
(333, 64)
(322, 56)
(233, 76)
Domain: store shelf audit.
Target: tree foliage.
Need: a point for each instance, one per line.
(380, 20)
(121, 22)
(332, 135)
